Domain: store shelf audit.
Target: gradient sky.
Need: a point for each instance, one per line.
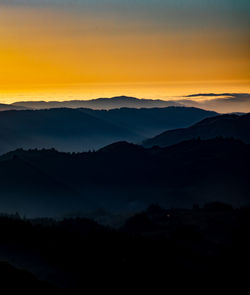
(62, 49)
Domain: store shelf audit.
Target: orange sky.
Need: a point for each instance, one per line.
(57, 53)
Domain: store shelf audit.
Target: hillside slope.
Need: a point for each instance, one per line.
(229, 126)
(124, 176)
(84, 129)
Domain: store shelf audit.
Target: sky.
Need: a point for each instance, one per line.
(81, 49)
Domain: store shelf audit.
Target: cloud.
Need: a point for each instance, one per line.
(220, 102)
(213, 94)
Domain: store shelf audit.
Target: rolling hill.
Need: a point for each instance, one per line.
(124, 177)
(83, 129)
(229, 126)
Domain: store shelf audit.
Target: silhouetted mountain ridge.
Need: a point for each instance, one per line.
(219, 102)
(98, 104)
(123, 176)
(8, 107)
(234, 126)
(82, 129)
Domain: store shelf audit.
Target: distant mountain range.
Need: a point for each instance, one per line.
(8, 107)
(234, 126)
(222, 103)
(124, 176)
(98, 104)
(69, 129)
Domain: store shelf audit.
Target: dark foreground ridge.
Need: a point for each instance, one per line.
(182, 249)
(15, 281)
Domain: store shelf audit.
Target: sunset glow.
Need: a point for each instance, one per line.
(86, 49)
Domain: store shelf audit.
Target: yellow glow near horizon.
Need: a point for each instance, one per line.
(53, 54)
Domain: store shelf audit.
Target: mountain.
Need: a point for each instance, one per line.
(99, 103)
(82, 129)
(147, 121)
(218, 102)
(125, 177)
(8, 107)
(236, 126)
(64, 129)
